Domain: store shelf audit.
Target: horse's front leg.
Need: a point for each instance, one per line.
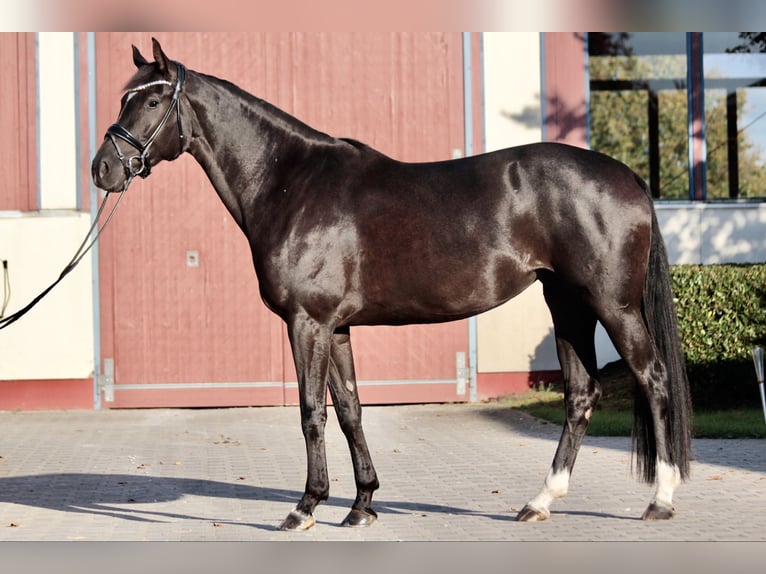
(310, 343)
(346, 402)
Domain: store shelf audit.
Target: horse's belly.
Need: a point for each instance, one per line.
(422, 293)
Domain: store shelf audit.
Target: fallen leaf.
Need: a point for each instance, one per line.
(217, 524)
(716, 477)
(397, 450)
(514, 509)
(13, 525)
(241, 478)
(497, 491)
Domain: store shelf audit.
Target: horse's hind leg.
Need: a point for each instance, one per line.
(342, 383)
(575, 326)
(632, 340)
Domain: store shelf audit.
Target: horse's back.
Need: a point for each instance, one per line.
(449, 239)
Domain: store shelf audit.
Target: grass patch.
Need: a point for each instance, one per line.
(731, 423)
(550, 407)
(614, 413)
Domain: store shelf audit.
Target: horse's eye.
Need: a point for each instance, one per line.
(153, 103)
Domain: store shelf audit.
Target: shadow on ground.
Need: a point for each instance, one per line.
(126, 496)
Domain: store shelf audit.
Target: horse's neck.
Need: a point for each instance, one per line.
(237, 139)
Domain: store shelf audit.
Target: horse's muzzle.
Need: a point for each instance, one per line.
(107, 170)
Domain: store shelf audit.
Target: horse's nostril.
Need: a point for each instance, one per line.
(103, 169)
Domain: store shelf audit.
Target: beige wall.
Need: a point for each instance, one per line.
(55, 339)
(518, 336)
(57, 123)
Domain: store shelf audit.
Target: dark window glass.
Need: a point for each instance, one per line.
(638, 107)
(734, 65)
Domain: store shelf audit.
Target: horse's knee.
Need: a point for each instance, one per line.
(313, 423)
(349, 418)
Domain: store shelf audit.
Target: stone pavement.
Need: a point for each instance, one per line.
(447, 473)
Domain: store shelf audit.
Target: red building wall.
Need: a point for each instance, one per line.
(17, 118)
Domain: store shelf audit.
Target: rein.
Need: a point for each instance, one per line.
(135, 165)
(84, 247)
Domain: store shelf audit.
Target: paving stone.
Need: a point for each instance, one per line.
(448, 473)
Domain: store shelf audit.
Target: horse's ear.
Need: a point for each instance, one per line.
(160, 57)
(138, 59)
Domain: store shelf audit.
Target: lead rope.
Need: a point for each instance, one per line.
(82, 250)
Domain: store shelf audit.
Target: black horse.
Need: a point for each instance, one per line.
(342, 235)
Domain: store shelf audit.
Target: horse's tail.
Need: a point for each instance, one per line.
(662, 322)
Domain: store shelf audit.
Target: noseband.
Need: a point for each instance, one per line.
(136, 165)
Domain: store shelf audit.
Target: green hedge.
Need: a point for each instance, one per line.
(722, 316)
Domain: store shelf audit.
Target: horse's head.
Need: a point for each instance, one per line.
(149, 128)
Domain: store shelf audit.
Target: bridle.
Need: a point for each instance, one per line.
(137, 165)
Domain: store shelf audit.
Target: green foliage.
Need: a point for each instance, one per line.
(722, 316)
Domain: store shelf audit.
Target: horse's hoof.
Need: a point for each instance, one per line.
(529, 514)
(360, 518)
(297, 520)
(656, 512)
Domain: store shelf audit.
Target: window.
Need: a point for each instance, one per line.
(642, 110)
(735, 113)
(638, 105)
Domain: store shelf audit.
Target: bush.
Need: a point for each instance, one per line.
(722, 316)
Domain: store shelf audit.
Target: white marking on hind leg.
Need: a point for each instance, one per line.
(556, 485)
(668, 479)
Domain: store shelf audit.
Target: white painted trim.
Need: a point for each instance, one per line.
(57, 121)
(713, 232)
